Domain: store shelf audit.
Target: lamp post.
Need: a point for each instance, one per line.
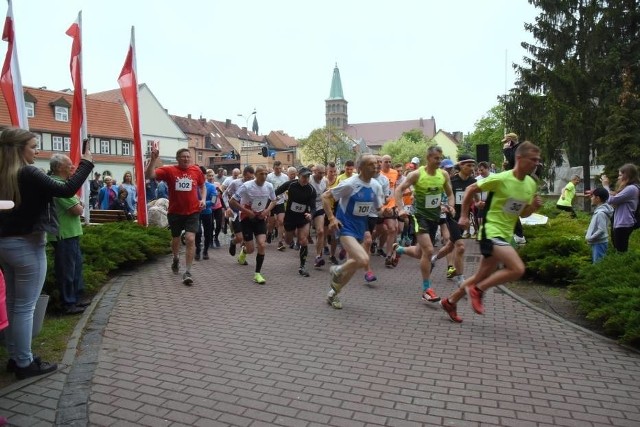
(246, 126)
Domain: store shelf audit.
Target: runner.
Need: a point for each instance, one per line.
(319, 183)
(375, 221)
(232, 214)
(391, 226)
(187, 193)
(276, 220)
(429, 182)
(512, 194)
(254, 200)
(356, 197)
(300, 208)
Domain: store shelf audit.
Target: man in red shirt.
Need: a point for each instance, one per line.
(187, 191)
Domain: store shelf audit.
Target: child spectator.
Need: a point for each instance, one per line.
(598, 232)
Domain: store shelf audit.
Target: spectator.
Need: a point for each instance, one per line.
(162, 191)
(67, 259)
(598, 232)
(94, 187)
(132, 192)
(121, 204)
(23, 238)
(107, 194)
(625, 202)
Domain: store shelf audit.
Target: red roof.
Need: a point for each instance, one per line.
(280, 140)
(104, 119)
(377, 133)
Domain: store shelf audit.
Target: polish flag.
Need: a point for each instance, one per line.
(10, 81)
(79, 110)
(128, 82)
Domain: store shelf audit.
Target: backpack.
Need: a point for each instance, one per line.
(636, 214)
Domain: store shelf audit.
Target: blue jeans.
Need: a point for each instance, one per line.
(24, 263)
(598, 251)
(68, 269)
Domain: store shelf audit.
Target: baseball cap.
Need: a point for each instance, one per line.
(304, 172)
(510, 137)
(415, 160)
(446, 164)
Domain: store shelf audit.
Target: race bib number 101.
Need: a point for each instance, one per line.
(362, 208)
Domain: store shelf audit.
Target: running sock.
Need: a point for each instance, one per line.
(400, 250)
(304, 250)
(259, 261)
(426, 284)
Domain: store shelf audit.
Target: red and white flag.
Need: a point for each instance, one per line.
(10, 81)
(128, 82)
(78, 110)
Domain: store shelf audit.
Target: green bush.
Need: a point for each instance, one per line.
(609, 292)
(109, 247)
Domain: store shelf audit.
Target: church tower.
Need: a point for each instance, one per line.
(336, 106)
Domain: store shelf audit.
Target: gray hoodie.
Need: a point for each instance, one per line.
(598, 231)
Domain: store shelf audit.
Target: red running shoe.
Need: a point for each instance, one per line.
(451, 308)
(475, 296)
(430, 296)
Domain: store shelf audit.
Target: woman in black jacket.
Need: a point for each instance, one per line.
(23, 236)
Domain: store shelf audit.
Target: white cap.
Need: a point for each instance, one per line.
(415, 160)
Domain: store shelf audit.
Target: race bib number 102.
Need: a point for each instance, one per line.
(184, 184)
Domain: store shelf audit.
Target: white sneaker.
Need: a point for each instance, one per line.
(519, 240)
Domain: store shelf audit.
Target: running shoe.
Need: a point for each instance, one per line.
(370, 277)
(333, 260)
(451, 271)
(342, 254)
(281, 246)
(395, 256)
(259, 279)
(475, 296)
(451, 308)
(335, 274)
(334, 301)
(175, 265)
(186, 279)
(430, 296)
(242, 258)
(374, 247)
(388, 262)
(296, 246)
(216, 242)
(205, 255)
(303, 272)
(292, 245)
(326, 250)
(519, 240)
(381, 253)
(232, 248)
(269, 236)
(319, 262)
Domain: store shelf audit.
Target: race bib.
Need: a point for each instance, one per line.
(362, 208)
(513, 206)
(459, 197)
(259, 204)
(184, 184)
(298, 208)
(432, 201)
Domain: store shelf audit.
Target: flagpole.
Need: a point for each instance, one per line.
(10, 80)
(84, 132)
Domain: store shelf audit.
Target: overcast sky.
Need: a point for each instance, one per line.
(398, 60)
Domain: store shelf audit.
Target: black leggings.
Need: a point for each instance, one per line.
(207, 228)
(620, 237)
(218, 217)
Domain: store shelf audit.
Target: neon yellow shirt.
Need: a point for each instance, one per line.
(569, 194)
(507, 197)
(427, 193)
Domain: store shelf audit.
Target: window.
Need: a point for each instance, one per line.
(56, 143)
(199, 156)
(31, 109)
(62, 114)
(126, 148)
(149, 146)
(104, 146)
(67, 143)
(39, 141)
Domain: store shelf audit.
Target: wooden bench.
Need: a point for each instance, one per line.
(99, 216)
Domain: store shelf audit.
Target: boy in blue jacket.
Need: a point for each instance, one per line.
(598, 232)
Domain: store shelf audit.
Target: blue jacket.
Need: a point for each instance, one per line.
(210, 198)
(103, 197)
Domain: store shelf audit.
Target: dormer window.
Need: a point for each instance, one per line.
(31, 109)
(62, 114)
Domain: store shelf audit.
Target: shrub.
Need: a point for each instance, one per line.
(609, 292)
(108, 247)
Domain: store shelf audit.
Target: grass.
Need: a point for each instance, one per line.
(50, 344)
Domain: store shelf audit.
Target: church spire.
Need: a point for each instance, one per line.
(336, 106)
(336, 85)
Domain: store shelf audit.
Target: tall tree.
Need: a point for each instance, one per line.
(326, 145)
(489, 130)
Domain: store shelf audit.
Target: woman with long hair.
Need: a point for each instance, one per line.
(132, 191)
(625, 202)
(23, 237)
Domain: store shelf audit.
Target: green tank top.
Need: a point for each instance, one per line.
(427, 193)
